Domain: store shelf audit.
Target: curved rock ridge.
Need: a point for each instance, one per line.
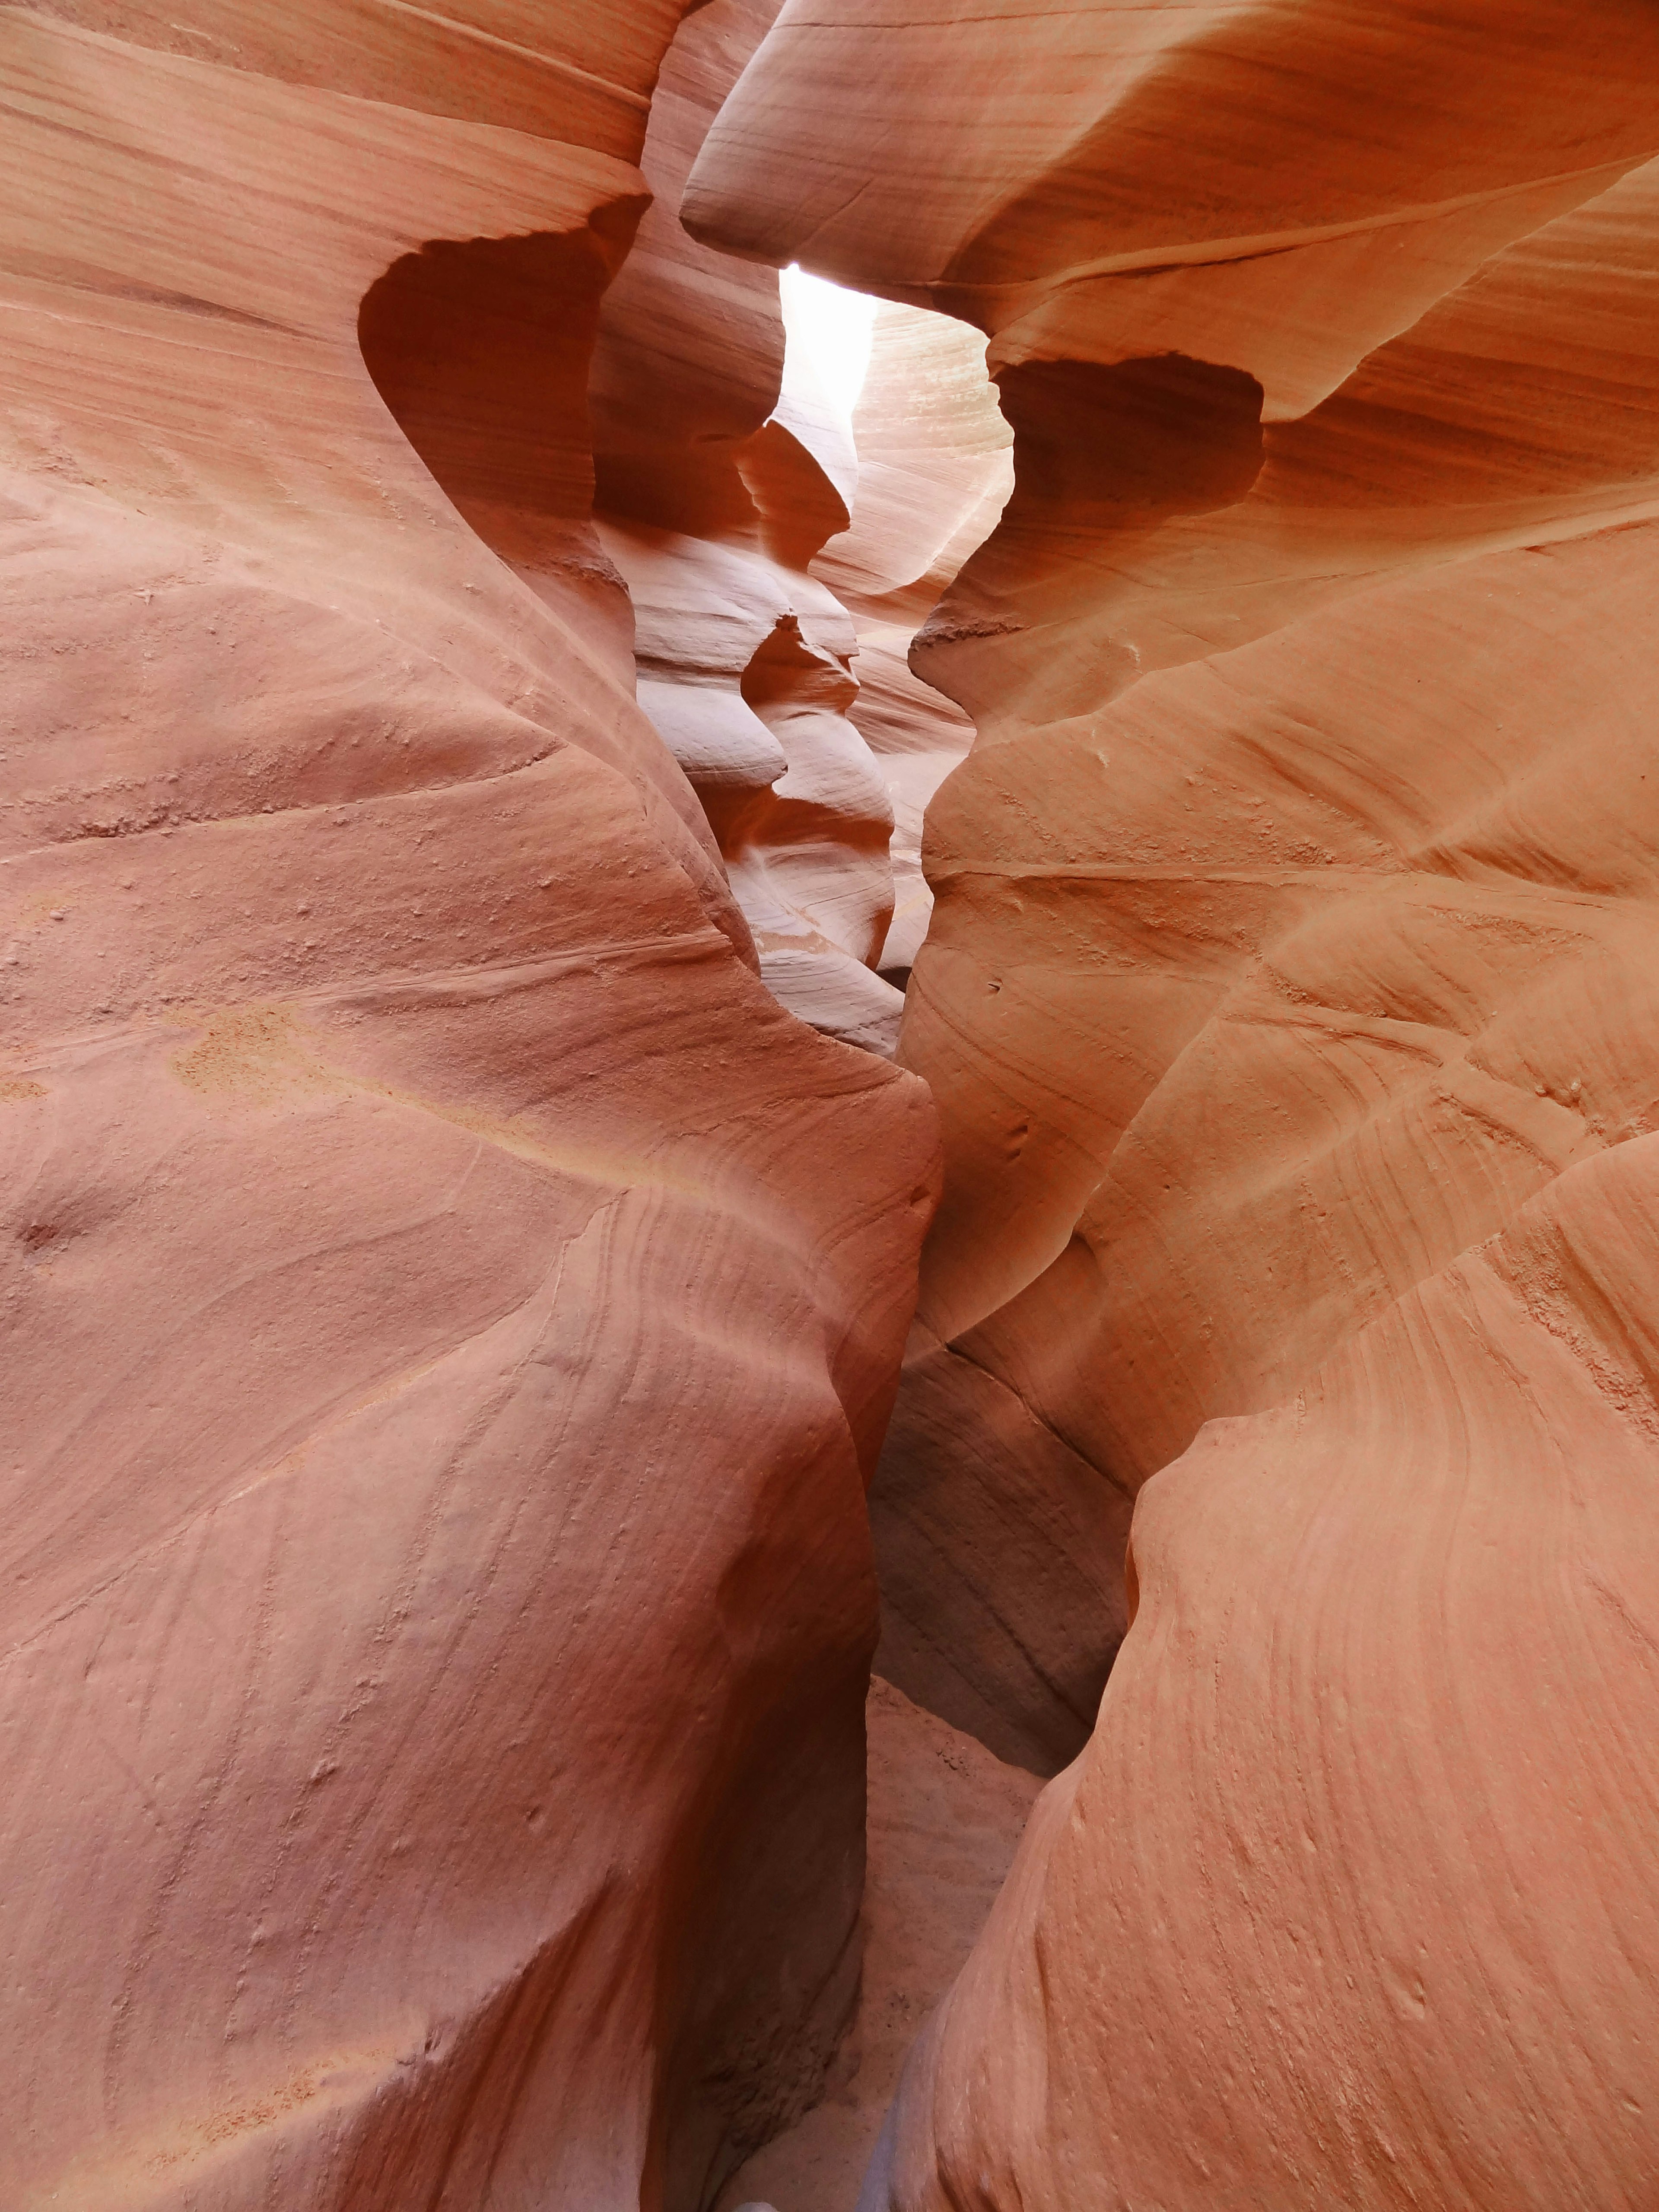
(1058, 153)
(934, 473)
(1503, 410)
(1519, 409)
(1285, 1002)
(1394, 1945)
(778, 560)
(450, 1306)
(722, 469)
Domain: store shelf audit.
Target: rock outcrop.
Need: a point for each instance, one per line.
(461, 678)
(1285, 1004)
(449, 1304)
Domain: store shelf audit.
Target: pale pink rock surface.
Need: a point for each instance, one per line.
(746, 517)
(450, 1306)
(721, 471)
(935, 463)
(934, 470)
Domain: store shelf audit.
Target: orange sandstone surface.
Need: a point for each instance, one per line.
(449, 1305)
(1287, 1002)
(473, 709)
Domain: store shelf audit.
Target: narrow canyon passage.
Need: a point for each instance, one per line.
(829, 1241)
(655, 452)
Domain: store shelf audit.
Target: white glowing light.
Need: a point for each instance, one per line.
(832, 328)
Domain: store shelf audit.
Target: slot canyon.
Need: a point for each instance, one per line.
(829, 1082)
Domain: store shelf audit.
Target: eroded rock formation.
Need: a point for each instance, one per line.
(945, 1820)
(1284, 1005)
(934, 471)
(719, 478)
(455, 663)
(449, 1304)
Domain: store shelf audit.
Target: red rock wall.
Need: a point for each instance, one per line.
(1285, 1006)
(450, 1306)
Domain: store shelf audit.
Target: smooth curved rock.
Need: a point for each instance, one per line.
(721, 473)
(934, 473)
(1285, 1002)
(735, 501)
(450, 1305)
(934, 469)
(1014, 173)
(452, 1309)
(1352, 1876)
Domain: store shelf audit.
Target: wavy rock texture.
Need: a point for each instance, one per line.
(449, 1303)
(934, 473)
(1285, 1004)
(720, 475)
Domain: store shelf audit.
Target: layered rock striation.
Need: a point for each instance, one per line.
(451, 1307)
(721, 470)
(456, 662)
(1284, 1003)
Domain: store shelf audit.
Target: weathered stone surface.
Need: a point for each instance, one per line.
(1284, 1002)
(448, 1305)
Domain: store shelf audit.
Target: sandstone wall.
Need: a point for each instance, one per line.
(451, 1306)
(1284, 1005)
(721, 471)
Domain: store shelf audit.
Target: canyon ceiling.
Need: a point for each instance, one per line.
(657, 1043)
